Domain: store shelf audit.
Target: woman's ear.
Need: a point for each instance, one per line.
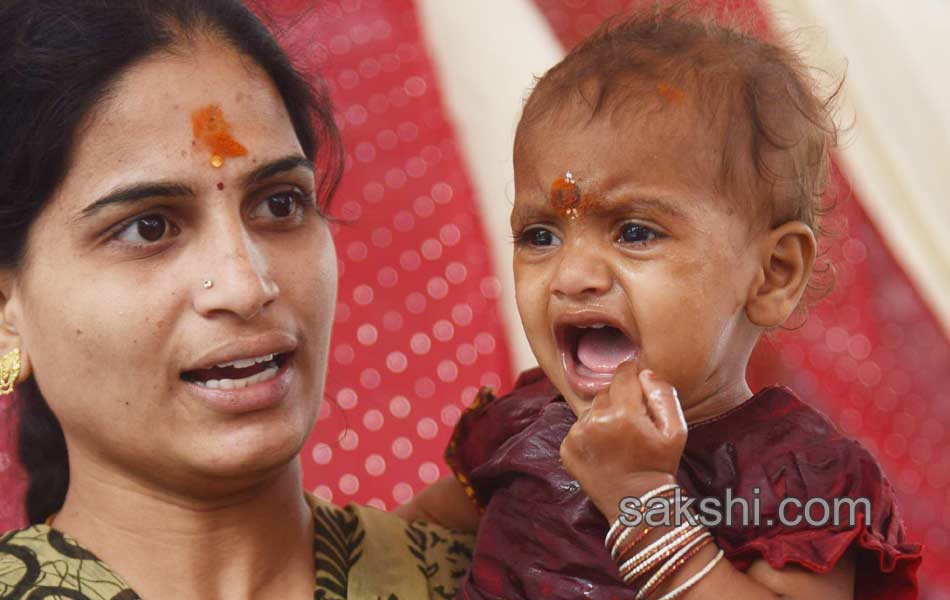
(10, 338)
(787, 262)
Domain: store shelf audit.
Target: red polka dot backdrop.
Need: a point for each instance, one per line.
(871, 355)
(417, 328)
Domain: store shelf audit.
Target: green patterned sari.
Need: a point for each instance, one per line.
(359, 553)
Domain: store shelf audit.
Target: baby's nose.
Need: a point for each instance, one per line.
(582, 271)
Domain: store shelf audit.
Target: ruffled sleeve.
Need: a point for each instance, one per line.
(785, 454)
(488, 423)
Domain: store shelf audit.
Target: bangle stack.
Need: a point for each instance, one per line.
(663, 557)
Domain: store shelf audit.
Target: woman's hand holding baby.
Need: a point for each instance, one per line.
(628, 442)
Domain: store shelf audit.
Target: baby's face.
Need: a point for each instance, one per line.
(655, 267)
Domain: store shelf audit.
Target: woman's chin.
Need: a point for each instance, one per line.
(248, 454)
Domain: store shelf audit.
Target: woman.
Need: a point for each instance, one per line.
(167, 284)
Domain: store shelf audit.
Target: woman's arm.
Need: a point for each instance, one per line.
(444, 502)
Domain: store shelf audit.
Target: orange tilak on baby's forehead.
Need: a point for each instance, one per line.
(566, 198)
(213, 132)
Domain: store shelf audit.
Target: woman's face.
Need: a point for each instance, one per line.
(111, 305)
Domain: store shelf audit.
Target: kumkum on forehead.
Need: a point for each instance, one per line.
(570, 201)
(566, 198)
(212, 131)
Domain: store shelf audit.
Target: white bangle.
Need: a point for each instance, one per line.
(645, 559)
(609, 541)
(621, 540)
(694, 579)
(656, 492)
(661, 572)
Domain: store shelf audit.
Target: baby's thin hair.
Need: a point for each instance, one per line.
(761, 102)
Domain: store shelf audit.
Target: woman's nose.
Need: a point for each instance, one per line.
(236, 277)
(581, 271)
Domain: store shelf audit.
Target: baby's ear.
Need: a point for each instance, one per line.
(787, 261)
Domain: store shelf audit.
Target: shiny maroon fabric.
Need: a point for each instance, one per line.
(541, 537)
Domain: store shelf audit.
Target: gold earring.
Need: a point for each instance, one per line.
(9, 371)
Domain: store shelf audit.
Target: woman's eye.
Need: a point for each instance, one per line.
(538, 237)
(279, 206)
(146, 230)
(633, 233)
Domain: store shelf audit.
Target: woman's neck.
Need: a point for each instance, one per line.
(253, 543)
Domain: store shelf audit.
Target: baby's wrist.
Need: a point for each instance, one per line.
(633, 485)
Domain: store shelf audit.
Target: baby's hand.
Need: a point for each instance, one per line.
(628, 442)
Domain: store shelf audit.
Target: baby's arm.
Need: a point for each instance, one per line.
(444, 502)
(629, 442)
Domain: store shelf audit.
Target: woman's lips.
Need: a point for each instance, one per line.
(254, 397)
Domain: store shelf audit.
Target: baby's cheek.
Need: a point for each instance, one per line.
(677, 332)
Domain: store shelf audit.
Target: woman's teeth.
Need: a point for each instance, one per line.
(247, 362)
(234, 384)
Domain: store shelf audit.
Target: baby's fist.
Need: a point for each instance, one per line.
(629, 441)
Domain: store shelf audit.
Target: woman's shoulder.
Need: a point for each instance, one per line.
(360, 552)
(39, 559)
(365, 552)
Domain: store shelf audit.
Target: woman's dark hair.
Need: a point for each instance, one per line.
(58, 59)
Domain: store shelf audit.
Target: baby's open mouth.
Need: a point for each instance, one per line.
(592, 352)
(238, 374)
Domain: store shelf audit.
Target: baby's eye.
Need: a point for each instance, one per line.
(147, 229)
(634, 233)
(279, 206)
(538, 237)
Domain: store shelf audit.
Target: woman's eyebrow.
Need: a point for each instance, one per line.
(287, 163)
(136, 192)
(139, 192)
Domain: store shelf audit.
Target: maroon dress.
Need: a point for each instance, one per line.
(541, 537)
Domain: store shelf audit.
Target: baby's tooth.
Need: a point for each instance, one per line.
(226, 384)
(213, 384)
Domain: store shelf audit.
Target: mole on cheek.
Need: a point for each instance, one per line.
(213, 132)
(220, 185)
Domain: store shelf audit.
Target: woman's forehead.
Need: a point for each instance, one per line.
(146, 125)
(161, 94)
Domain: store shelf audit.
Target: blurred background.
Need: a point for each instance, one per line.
(427, 94)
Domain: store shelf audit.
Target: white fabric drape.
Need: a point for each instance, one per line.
(487, 54)
(896, 92)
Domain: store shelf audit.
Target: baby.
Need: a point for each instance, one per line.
(668, 183)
